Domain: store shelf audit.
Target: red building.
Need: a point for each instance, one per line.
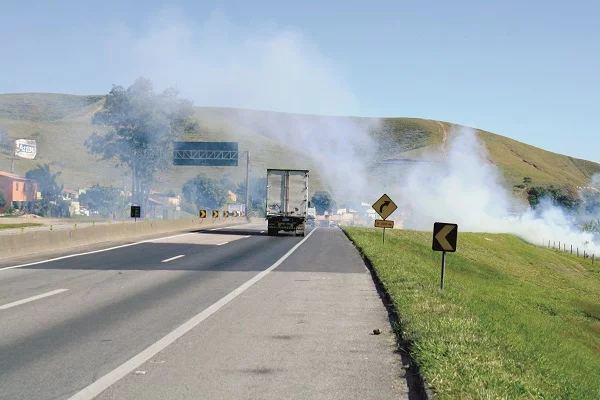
(17, 188)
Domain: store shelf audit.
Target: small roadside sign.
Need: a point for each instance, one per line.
(444, 237)
(226, 214)
(235, 213)
(215, 213)
(202, 213)
(384, 206)
(380, 223)
(136, 211)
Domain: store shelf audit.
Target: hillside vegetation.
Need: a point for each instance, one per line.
(60, 123)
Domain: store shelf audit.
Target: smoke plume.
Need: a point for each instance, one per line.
(216, 63)
(469, 190)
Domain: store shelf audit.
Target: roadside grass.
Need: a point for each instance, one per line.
(17, 226)
(513, 320)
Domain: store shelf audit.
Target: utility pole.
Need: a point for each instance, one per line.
(247, 185)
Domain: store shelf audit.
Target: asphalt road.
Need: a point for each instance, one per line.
(225, 313)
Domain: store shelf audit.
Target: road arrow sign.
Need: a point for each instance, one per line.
(444, 237)
(215, 213)
(385, 206)
(226, 214)
(202, 213)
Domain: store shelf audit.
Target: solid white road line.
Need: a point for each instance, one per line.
(100, 251)
(173, 258)
(121, 371)
(216, 229)
(221, 244)
(33, 298)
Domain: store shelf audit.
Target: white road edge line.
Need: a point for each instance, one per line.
(121, 371)
(221, 244)
(99, 251)
(173, 258)
(33, 298)
(216, 229)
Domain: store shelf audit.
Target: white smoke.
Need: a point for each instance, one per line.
(595, 183)
(468, 190)
(217, 63)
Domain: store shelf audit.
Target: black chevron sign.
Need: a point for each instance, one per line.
(444, 237)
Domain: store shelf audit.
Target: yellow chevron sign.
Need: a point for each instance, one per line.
(202, 213)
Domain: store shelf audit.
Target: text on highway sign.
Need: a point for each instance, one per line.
(384, 206)
(380, 223)
(444, 237)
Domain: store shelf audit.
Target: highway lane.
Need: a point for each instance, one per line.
(200, 315)
(116, 304)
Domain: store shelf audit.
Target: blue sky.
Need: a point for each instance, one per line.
(526, 70)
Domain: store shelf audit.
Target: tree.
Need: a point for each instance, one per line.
(257, 195)
(2, 200)
(142, 125)
(555, 195)
(322, 201)
(205, 192)
(50, 189)
(107, 200)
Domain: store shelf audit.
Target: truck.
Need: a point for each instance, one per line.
(287, 201)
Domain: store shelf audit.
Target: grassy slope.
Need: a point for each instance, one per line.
(514, 320)
(60, 123)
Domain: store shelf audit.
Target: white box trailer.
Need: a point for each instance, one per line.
(287, 201)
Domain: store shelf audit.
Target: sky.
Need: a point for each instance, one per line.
(523, 69)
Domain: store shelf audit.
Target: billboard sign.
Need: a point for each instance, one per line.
(25, 148)
(209, 154)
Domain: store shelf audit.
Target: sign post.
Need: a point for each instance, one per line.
(384, 207)
(444, 240)
(136, 212)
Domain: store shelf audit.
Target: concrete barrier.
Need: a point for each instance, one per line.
(38, 242)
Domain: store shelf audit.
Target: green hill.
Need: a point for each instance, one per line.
(60, 124)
